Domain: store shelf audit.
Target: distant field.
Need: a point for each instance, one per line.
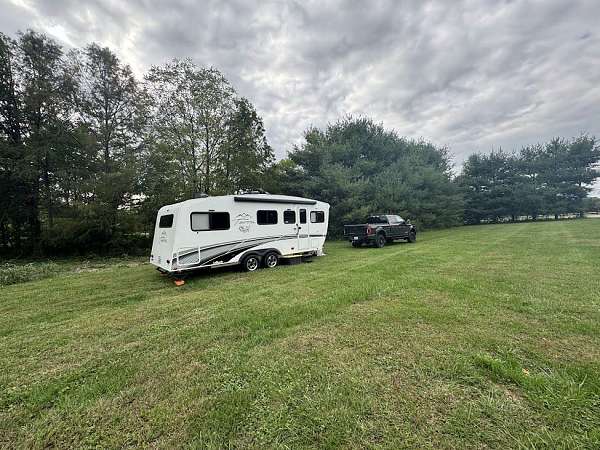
(482, 336)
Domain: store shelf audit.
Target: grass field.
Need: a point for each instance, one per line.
(482, 336)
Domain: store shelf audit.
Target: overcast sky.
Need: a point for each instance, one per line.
(472, 75)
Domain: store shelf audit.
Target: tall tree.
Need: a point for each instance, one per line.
(487, 180)
(13, 187)
(109, 105)
(192, 106)
(246, 154)
(112, 107)
(32, 81)
(360, 168)
(582, 156)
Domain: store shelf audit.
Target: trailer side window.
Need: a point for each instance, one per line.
(208, 221)
(266, 217)
(289, 217)
(302, 216)
(317, 216)
(166, 221)
(219, 221)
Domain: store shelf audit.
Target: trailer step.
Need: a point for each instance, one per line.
(296, 259)
(292, 260)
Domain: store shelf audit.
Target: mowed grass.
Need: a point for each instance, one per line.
(479, 337)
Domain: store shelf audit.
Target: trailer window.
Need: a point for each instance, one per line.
(166, 221)
(219, 221)
(266, 217)
(317, 216)
(302, 216)
(209, 221)
(289, 217)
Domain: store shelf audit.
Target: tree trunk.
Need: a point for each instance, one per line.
(106, 157)
(48, 191)
(17, 234)
(207, 169)
(34, 218)
(3, 235)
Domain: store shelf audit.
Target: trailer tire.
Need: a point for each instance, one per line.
(251, 263)
(271, 260)
(380, 241)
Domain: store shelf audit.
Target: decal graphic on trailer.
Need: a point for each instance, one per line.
(244, 221)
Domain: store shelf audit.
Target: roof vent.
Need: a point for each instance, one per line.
(250, 191)
(199, 195)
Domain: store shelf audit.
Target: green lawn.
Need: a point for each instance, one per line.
(482, 336)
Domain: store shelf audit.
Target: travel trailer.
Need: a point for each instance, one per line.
(253, 229)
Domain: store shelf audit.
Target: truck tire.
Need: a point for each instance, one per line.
(355, 244)
(380, 241)
(412, 237)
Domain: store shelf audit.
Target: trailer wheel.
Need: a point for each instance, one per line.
(271, 260)
(251, 263)
(380, 242)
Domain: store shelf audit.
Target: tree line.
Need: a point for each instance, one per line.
(550, 179)
(89, 152)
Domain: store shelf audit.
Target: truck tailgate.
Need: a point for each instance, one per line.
(355, 230)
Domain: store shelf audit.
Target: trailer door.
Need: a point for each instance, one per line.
(162, 247)
(302, 229)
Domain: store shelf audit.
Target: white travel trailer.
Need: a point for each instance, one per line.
(252, 229)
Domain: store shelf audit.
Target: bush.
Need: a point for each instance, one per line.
(87, 236)
(19, 273)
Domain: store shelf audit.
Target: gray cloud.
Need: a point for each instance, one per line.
(472, 75)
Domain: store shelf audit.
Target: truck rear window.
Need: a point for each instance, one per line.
(166, 221)
(377, 219)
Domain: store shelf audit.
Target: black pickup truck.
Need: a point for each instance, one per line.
(379, 230)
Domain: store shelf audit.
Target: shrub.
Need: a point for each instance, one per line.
(19, 273)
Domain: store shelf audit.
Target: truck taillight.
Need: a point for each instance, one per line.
(369, 230)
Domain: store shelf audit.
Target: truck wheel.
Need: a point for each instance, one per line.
(412, 237)
(355, 244)
(380, 242)
(251, 263)
(271, 260)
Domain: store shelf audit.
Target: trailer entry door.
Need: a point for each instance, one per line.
(302, 229)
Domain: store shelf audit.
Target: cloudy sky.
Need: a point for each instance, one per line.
(472, 75)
